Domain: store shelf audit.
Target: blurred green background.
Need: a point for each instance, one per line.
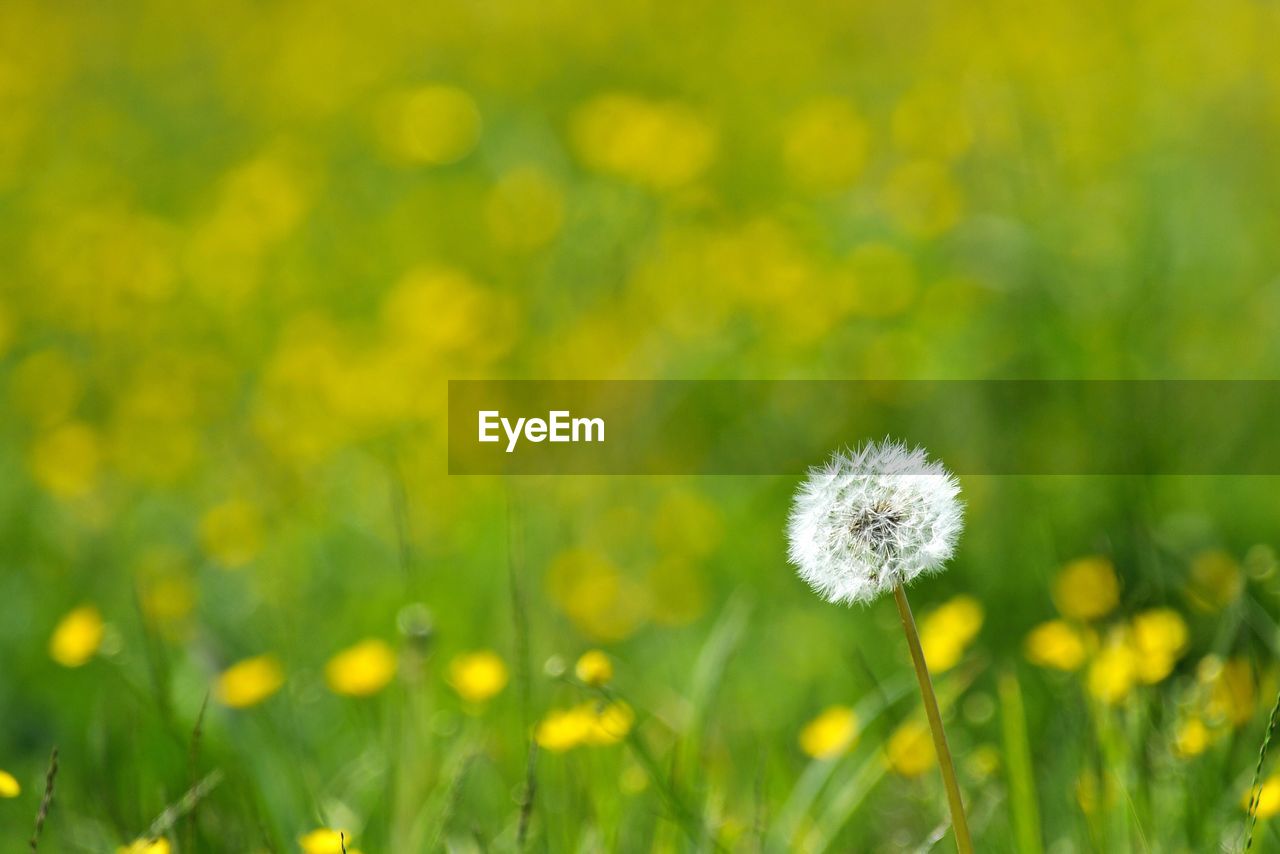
(244, 245)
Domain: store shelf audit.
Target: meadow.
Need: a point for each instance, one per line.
(244, 246)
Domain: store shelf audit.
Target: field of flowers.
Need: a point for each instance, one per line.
(244, 245)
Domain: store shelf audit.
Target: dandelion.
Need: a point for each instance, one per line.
(1159, 637)
(1191, 738)
(1113, 672)
(1086, 589)
(1055, 644)
(361, 670)
(231, 533)
(594, 668)
(477, 676)
(830, 733)
(324, 840)
(946, 633)
(250, 681)
(1268, 795)
(77, 637)
(9, 787)
(868, 523)
(908, 752)
(592, 723)
(145, 846)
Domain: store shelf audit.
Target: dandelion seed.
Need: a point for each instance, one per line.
(872, 519)
(869, 522)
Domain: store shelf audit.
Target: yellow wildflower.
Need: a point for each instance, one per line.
(594, 668)
(250, 681)
(9, 787)
(361, 670)
(324, 840)
(145, 846)
(910, 749)
(1215, 581)
(826, 143)
(1086, 588)
(1191, 738)
(433, 125)
(562, 729)
(77, 636)
(1056, 644)
(231, 533)
(1268, 797)
(664, 145)
(1232, 691)
(610, 722)
(477, 676)
(946, 632)
(65, 460)
(830, 733)
(1113, 673)
(1159, 638)
(983, 761)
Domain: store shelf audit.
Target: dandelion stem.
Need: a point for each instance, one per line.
(958, 821)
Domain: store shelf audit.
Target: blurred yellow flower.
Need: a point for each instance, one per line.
(1191, 738)
(231, 533)
(1159, 638)
(9, 787)
(477, 676)
(983, 761)
(923, 199)
(1113, 672)
(433, 125)
(603, 604)
(825, 147)
(1086, 588)
(1056, 644)
(594, 668)
(362, 669)
(65, 460)
(1215, 581)
(77, 636)
(166, 599)
(830, 734)
(145, 846)
(1232, 691)
(324, 840)
(45, 387)
(910, 749)
(250, 681)
(525, 209)
(1268, 794)
(589, 723)
(947, 631)
(664, 145)
(930, 122)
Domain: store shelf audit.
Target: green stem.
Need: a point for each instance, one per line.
(958, 821)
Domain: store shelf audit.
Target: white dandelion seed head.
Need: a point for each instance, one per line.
(872, 518)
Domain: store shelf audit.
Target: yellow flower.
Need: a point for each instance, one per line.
(910, 749)
(9, 787)
(433, 125)
(1268, 797)
(231, 533)
(664, 145)
(361, 670)
(477, 676)
(826, 143)
(1113, 673)
(585, 724)
(1056, 644)
(77, 637)
(594, 668)
(249, 682)
(1086, 588)
(1191, 738)
(145, 846)
(946, 632)
(1215, 581)
(1232, 692)
(324, 840)
(830, 733)
(1159, 638)
(65, 460)
(562, 729)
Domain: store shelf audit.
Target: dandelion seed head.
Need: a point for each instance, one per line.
(872, 518)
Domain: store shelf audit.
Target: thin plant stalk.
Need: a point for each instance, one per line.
(958, 821)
